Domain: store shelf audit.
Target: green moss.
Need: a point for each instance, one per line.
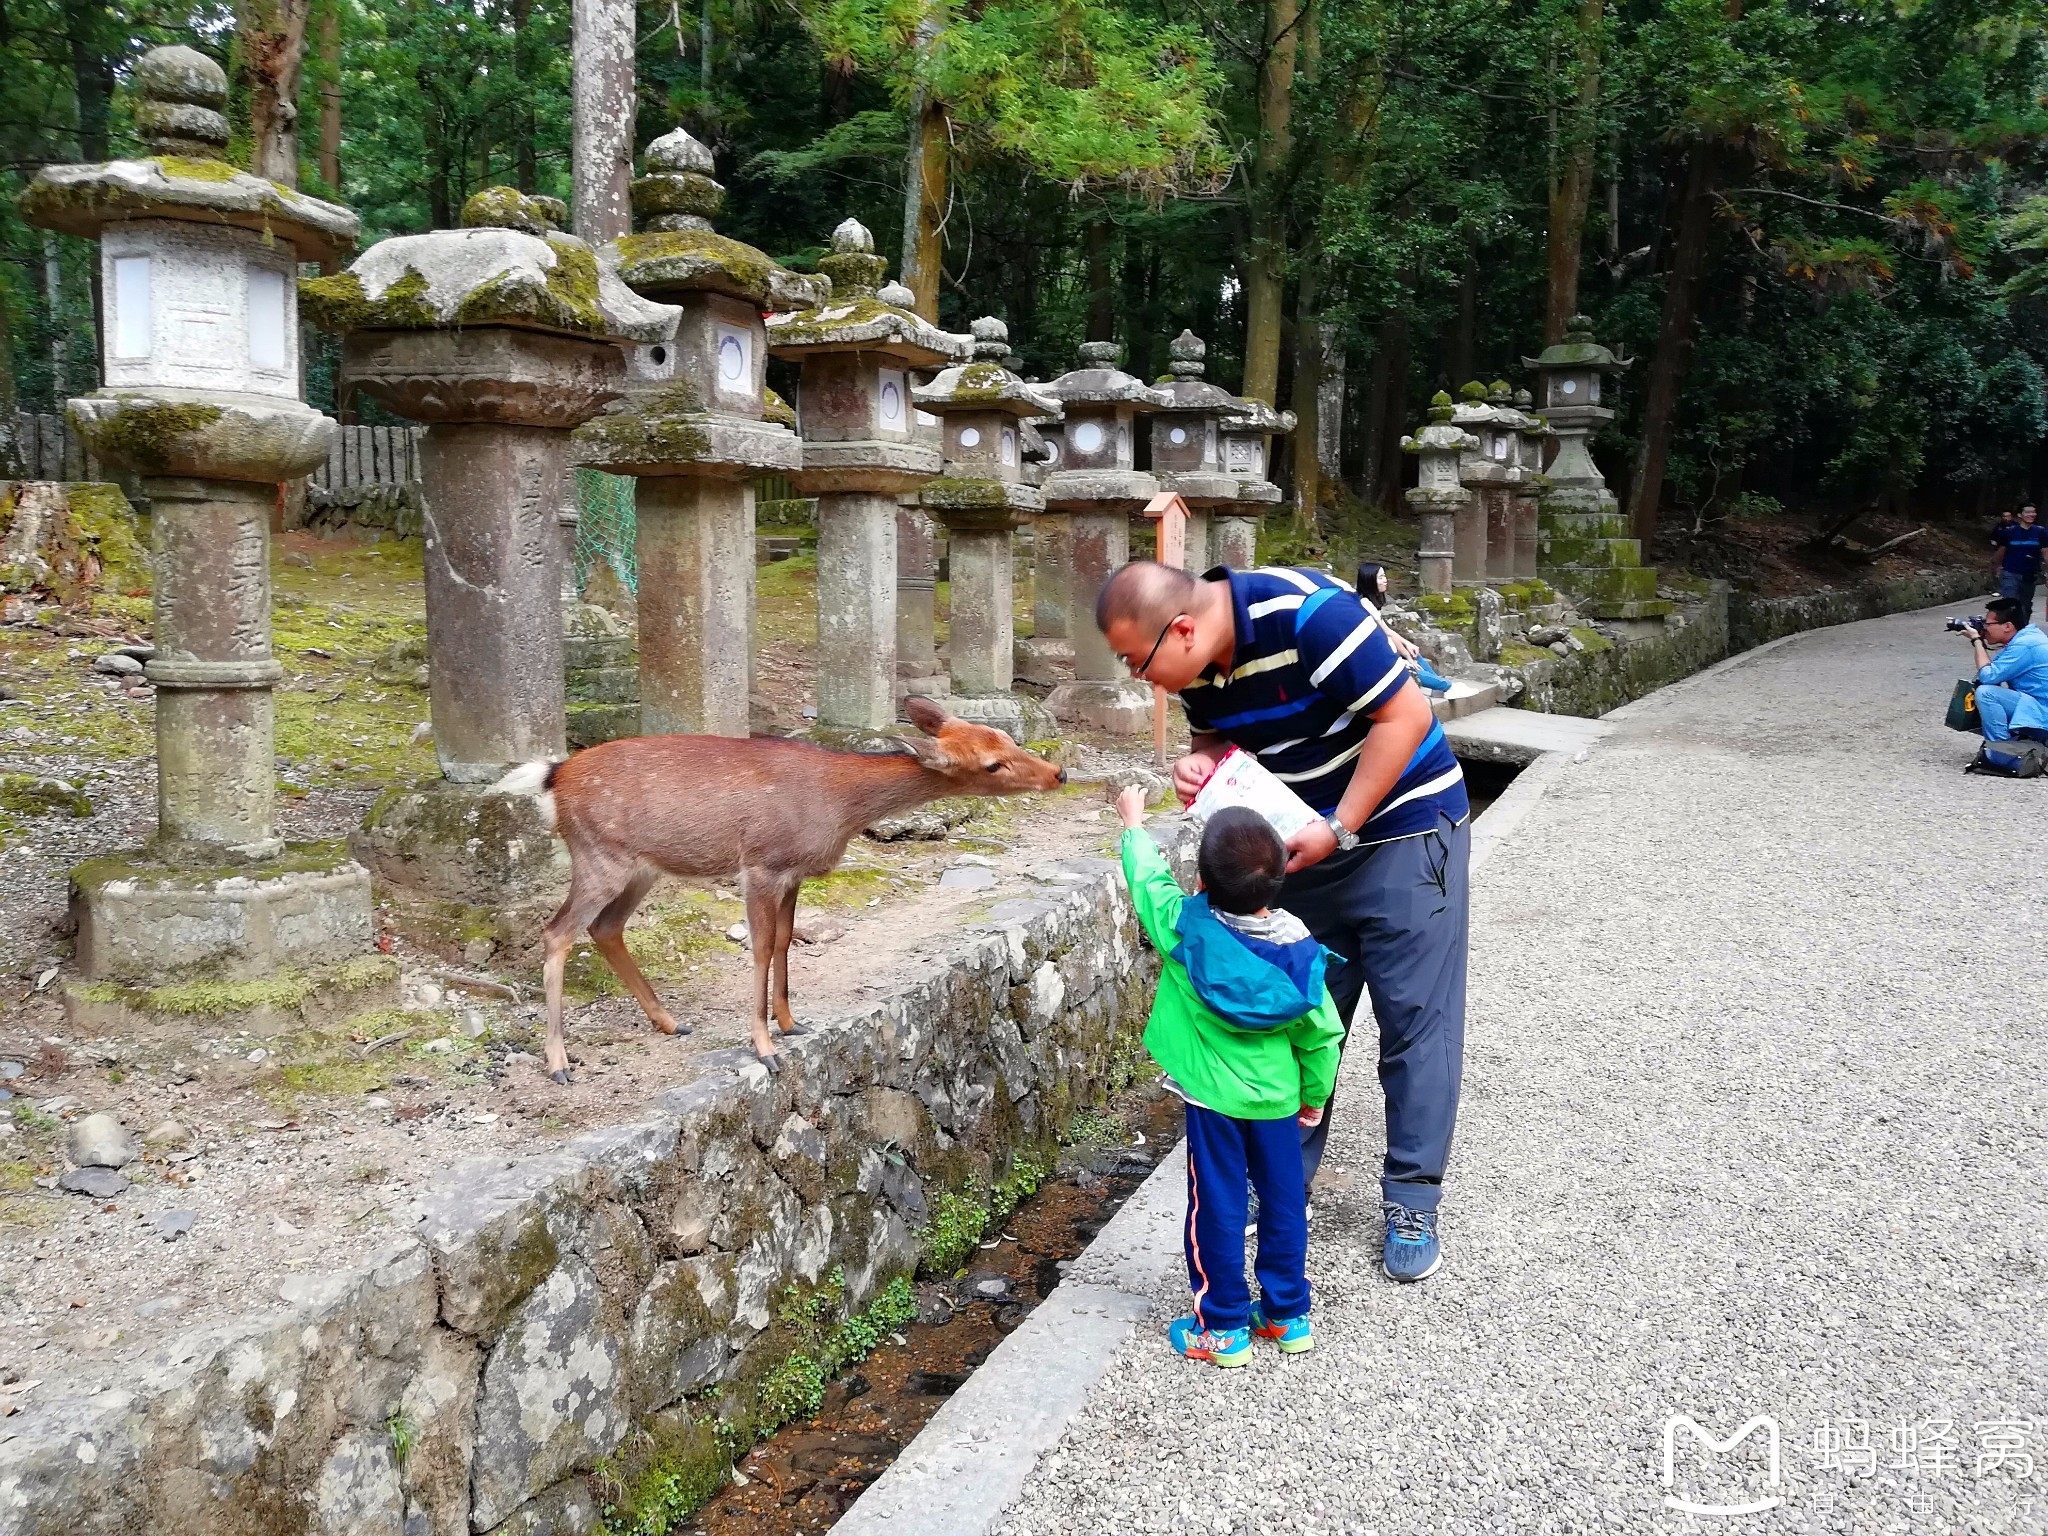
(334, 1076)
(297, 858)
(651, 1488)
(210, 998)
(340, 304)
(565, 298)
(660, 426)
(187, 168)
(823, 1346)
(17, 1176)
(1449, 609)
(507, 208)
(146, 434)
(1592, 639)
(24, 794)
(830, 322)
(853, 273)
(1473, 391)
(105, 525)
(776, 409)
(1517, 653)
(982, 381)
(686, 258)
(683, 192)
(952, 491)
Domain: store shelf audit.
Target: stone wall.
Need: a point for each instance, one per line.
(1753, 620)
(624, 1303)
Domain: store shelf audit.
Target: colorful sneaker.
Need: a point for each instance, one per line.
(1293, 1335)
(1411, 1251)
(1219, 1346)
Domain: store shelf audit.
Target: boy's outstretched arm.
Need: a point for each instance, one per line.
(1154, 892)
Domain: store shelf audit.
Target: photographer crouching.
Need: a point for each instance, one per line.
(2012, 687)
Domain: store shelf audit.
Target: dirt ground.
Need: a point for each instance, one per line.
(269, 1157)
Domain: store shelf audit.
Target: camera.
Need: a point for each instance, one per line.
(1973, 625)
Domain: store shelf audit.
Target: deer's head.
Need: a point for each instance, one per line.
(977, 759)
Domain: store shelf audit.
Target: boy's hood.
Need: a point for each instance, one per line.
(1245, 981)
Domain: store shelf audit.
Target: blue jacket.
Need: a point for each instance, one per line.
(2023, 667)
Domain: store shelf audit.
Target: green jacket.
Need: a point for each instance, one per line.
(1274, 1053)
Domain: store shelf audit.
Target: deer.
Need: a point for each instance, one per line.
(773, 811)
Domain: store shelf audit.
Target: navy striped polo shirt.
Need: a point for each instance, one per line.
(1311, 665)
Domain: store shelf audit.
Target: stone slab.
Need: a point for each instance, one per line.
(1120, 708)
(1466, 697)
(1024, 718)
(1503, 735)
(144, 923)
(463, 843)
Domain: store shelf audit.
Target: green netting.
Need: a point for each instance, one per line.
(604, 530)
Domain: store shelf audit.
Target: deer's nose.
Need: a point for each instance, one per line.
(1060, 776)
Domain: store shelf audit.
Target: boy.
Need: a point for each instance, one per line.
(1249, 1037)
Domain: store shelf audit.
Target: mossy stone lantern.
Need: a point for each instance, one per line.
(500, 337)
(693, 430)
(1438, 495)
(862, 449)
(1482, 536)
(1534, 433)
(1188, 443)
(980, 496)
(1247, 439)
(200, 352)
(1584, 538)
(1095, 485)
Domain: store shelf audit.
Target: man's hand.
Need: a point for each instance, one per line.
(1311, 845)
(1130, 805)
(1309, 1116)
(1190, 773)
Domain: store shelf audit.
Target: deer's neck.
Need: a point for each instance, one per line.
(882, 786)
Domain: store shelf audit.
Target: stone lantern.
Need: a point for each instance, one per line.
(1188, 446)
(1438, 496)
(980, 497)
(200, 351)
(1533, 432)
(1247, 440)
(694, 429)
(500, 337)
(1092, 482)
(862, 450)
(1584, 542)
(1482, 533)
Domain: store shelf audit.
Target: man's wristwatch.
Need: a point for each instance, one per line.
(1346, 838)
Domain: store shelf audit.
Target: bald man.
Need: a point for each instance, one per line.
(1293, 667)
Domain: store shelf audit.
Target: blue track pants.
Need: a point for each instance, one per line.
(1222, 1153)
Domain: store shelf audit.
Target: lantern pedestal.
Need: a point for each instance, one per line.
(857, 619)
(1101, 696)
(917, 657)
(1234, 540)
(978, 516)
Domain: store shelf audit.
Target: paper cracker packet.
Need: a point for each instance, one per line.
(1241, 779)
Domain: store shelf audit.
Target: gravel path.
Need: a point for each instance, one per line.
(1754, 1125)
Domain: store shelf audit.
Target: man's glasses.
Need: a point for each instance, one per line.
(1139, 669)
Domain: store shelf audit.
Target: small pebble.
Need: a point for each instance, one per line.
(99, 1183)
(167, 1133)
(172, 1225)
(114, 664)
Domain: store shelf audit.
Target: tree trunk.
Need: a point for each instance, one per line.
(1464, 348)
(525, 153)
(272, 37)
(1101, 295)
(330, 96)
(1674, 334)
(1571, 182)
(704, 36)
(10, 406)
(1266, 260)
(1395, 422)
(924, 203)
(1307, 391)
(92, 73)
(601, 117)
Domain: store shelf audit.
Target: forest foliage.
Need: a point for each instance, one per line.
(1821, 228)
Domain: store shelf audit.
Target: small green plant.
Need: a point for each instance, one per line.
(403, 1433)
(28, 1118)
(956, 1225)
(1092, 1128)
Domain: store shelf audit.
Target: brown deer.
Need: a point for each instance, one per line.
(772, 811)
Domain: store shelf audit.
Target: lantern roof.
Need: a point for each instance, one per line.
(985, 384)
(862, 314)
(1578, 350)
(1184, 386)
(1098, 381)
(180, 94)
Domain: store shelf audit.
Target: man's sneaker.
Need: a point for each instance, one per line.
(1219, 1346)
(1411, 1251)
(1293, 1335)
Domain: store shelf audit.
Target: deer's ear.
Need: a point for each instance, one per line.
(927, 751)
(925, 715)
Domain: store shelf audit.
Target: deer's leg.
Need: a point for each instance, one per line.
(592, 887)
(607, 932)
(785, 930)
(764, 900)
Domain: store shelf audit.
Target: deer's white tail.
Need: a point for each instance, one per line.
(532, 779)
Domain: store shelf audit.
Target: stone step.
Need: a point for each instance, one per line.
(772, 547)
(1627, 608)
(1583, 525)
(591, 724)
(1565, 551)
(604, 685)
(1615, 584)
(1467, 697)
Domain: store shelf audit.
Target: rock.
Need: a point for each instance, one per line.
(973, 861)
(299, 558)
(114, 664)
(1120, 779)
(99, 1183)
(167, 1133)
(101, 1141)
(1546, 634)
(161, 1306)
(10, 1070)
(172, 1225)
(477, 953)
(968, 878)
(737, 933)
(1560, 648)
(357, 1489)
(140, 650)
(922, 825)
(992, 1288)
(820, 932)
(1486, 624)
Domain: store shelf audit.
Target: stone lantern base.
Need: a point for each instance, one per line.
(466, 861)
(1025, 719)
(298, 930)
(1120, 708)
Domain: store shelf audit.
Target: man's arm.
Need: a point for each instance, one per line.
(1398, 727)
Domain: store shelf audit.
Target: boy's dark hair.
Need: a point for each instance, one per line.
(1242, 861)
(2004, 609)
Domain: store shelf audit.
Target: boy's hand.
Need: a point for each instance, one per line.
(1130, 805)
(1309, 1116)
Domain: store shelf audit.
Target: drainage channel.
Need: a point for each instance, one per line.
(803, 1478)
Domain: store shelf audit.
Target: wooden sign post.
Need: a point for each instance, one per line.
(1172, 549)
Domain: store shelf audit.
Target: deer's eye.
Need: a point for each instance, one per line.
(995, 767)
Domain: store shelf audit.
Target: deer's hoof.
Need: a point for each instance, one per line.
(772, 1061)
(789, 1031)
(562, 1077)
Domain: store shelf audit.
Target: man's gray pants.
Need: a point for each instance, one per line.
(1397, 912)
